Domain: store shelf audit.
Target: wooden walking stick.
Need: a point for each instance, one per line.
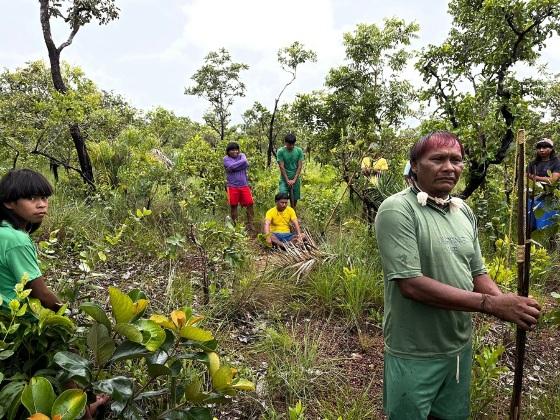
(523, 265)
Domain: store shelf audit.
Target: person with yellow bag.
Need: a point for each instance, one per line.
(373, 170)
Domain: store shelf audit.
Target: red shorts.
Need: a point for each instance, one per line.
(240, 195)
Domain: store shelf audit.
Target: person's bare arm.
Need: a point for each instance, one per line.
(41, 291)
(267, 230)
(296, 227)
(509, 307)
(484, 284)
(283, 172)
(548, 179)
(298, 170)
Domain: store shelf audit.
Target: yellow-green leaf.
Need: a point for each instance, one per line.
(70, 404)
(243, 385)
(222, 378)
(197, 334)
(213, 362)
(38, 395)
(121, 305)
(162, 321)
(129, 331)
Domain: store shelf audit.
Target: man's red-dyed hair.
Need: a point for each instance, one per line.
(434, 140)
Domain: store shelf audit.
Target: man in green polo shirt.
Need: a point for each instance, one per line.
(434, 277)
(290, 161)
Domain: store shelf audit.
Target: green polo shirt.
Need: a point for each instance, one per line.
(17, 257)
(429, 241)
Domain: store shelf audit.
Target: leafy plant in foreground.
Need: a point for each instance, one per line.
(183, 369)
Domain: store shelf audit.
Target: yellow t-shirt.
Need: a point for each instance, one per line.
(280, 220)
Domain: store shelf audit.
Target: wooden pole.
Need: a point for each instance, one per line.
(523, 266)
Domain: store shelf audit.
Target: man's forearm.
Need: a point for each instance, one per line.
(484, 284)
(432, 292)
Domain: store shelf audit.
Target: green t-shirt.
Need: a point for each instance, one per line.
(17, 257)
(433, 242)
(290, 159)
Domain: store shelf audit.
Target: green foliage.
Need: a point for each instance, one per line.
(172, 348)
(486, 42)
(30, 335)
(218, 81)
(296, 370)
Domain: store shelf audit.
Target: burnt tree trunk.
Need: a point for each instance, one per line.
(86, 169)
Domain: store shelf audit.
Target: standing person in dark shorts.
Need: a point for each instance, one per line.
(290, 161)
(434, 277)
(545, 170)
(238, 190)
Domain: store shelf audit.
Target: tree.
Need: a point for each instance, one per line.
(255, 122)
(76, 14)
(471, 75)
(289, 58)
(218, 81)
(34, 116)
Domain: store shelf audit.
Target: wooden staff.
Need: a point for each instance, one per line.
(523, 266)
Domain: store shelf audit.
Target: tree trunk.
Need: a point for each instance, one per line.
(270, 150)
(86, 169)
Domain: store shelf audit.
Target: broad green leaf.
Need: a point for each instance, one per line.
(70, 404)
(120, 388)
(97, 313)
(76, 366)
(154, 335)
(38, 395)
(52, 319)
(6, 354)
(243, 385)
(222, 378)
(10, 399)
(129, 331)
(121, 305)
(1, 377)
(195, 333)
(22, 310)
(100, 343)
(129, 350)
(156, 370)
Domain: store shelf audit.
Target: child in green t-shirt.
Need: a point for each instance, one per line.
(24, 202)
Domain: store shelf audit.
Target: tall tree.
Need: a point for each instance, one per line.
(218, 81)
(75, 13)
(289, 58)
(471, 75)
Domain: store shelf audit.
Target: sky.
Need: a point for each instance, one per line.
(149, 54)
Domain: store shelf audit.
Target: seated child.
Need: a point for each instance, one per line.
(278, 222)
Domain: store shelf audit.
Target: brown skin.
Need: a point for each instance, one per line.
(33, 210)
(437, 173)
(544, 153)
(281, 205)
(290, 182)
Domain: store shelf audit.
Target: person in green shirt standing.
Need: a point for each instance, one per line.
(434, 276)
(290, 161)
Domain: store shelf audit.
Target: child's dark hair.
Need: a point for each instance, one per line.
(281, 196)
(232, 146)
(290, 138)
(21, 183)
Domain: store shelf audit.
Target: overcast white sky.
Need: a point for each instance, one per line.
(149, 54)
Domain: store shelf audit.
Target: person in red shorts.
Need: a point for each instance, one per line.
(239, 192)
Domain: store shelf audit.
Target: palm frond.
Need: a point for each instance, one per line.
(297, 261)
